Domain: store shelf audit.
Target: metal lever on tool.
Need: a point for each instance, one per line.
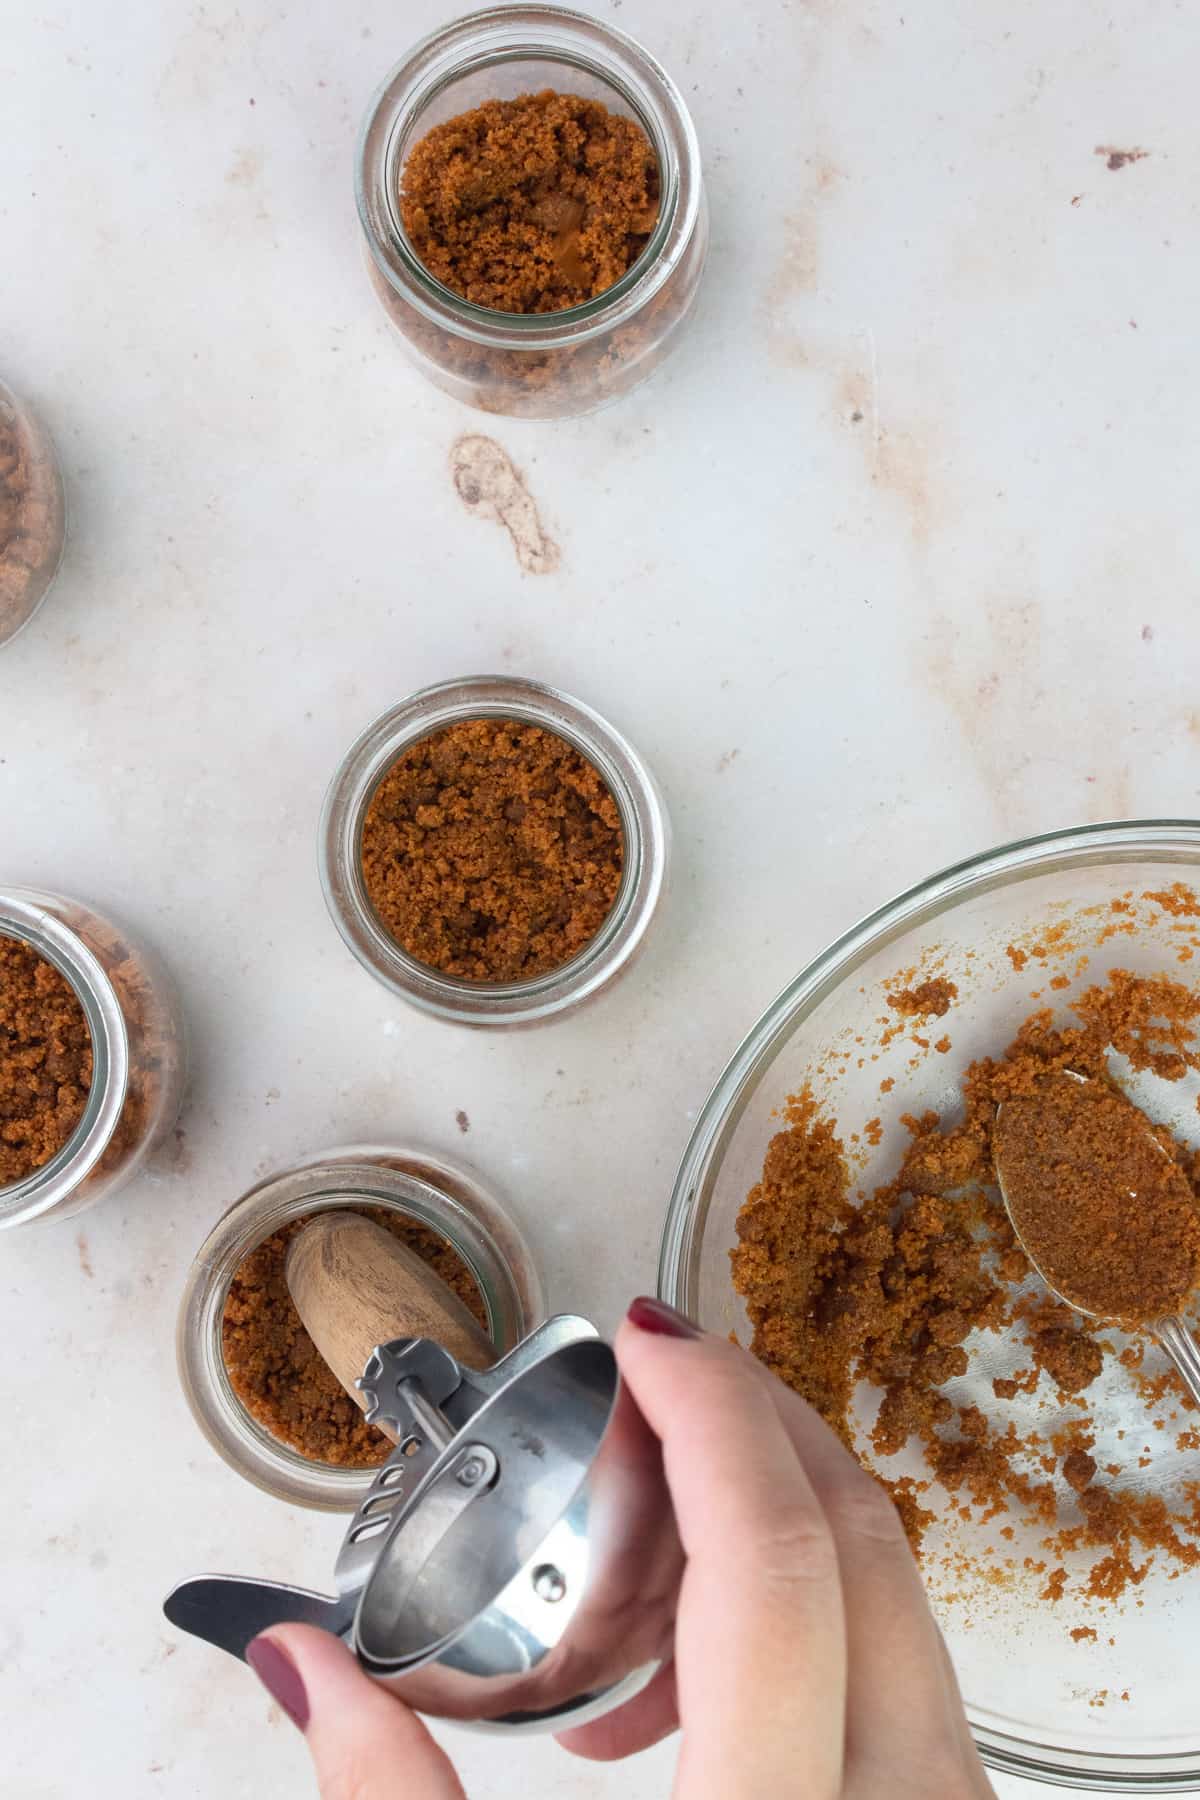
(230, 1610)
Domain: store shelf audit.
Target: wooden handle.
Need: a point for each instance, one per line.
(356, 1286)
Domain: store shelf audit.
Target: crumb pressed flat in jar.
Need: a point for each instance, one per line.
(274, 1366)
(45, 1061)
(531, 205)
(492, 851)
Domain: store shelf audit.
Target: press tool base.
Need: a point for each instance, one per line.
(514, 1564)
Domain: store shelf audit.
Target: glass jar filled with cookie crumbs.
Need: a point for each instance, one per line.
(92, 1060)
(493, 851)
(530, 190)
(33, 514)
(251, 1375)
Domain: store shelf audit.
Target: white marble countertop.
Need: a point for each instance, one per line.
(895, 558)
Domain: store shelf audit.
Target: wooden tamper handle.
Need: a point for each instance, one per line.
(355, 1286)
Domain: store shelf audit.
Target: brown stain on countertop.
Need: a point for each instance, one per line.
(856, 401)
(991, 682)
(986, 684)
(245, 168)
(1119, 159)
(797, 267)
(1109, 794)
(795, 271)
(901, 468)
(898, 457)
(901, 459)
(489, 485)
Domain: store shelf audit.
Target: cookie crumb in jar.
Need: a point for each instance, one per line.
(531, 205)
(274, 1367)
(45, 1061)
(492, 851)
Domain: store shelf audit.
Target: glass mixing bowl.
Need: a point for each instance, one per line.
(1040, 1704)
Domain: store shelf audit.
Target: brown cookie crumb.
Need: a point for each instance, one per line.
(1056, 1584)
(1078, 1468)
(931, 999)
(531, 205)
(492, 851)
(45, 1061)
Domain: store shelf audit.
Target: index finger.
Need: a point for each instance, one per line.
(760, 1645)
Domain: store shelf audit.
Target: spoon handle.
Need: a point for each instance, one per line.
(1180, 1346)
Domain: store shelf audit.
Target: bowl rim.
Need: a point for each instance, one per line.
(1023, 859)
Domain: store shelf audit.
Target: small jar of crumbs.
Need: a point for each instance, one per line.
(529, 186)
(92, 1059)
(256, 1386)
(493, 851)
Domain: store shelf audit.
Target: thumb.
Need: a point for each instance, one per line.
(365, 1744)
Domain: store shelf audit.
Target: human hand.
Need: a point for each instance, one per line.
(807, 1662)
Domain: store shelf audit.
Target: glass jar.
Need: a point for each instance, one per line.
(545, 365)
(33, 514)
(419, 1184)
(644, 828)
(138, 1057)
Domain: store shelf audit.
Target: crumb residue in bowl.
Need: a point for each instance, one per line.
(932, 998)
(902, 1287)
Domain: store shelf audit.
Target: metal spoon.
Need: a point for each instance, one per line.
(1171, 1333)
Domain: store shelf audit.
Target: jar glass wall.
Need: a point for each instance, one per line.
(644, 828)
(138, 1055)
(33, 514)
(546, 365)
(418, 1184)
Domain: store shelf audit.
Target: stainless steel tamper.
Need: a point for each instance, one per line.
(515, 1562)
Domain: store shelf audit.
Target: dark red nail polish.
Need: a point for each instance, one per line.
(663, 1320)
(281, 1678)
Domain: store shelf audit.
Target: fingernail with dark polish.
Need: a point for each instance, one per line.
(657, 1317)
(281, 1678)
